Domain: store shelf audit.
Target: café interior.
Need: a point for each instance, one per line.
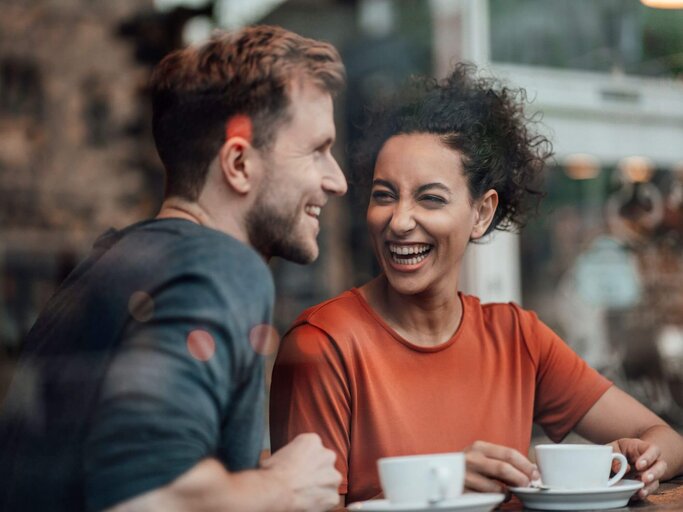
(602, 263)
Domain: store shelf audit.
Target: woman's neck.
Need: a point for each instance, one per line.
(426, 319)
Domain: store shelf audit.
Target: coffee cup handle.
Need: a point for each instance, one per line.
(440, 477)
(622, 469)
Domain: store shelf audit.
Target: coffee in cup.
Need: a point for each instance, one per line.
(422, 479)
(578, 466)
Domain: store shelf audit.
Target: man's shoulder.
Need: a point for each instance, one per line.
(174, 246)
(179, 260)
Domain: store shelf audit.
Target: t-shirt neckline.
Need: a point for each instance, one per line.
(418, 348)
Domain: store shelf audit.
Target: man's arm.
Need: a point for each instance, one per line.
(300, 477)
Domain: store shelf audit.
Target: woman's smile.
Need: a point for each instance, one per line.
(408, 257)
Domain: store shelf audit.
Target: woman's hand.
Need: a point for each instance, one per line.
(493, 468)
(645, 462)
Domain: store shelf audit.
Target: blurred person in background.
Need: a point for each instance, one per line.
(406, 364)
(140, 386)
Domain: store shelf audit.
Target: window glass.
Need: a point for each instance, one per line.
(605, 36)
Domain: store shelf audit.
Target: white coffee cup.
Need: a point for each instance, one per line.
(422, 479)
(578, 466)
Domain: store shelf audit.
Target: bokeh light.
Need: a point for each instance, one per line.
(141, 306)
(201, 345)
(264, 339)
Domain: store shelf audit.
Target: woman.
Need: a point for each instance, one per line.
(406, 364)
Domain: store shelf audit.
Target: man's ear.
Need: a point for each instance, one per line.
(485, 209)
(237, 160)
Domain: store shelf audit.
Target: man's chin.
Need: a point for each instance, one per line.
(302, 257)
(303, 254)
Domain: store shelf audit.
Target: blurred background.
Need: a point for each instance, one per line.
(602, 264)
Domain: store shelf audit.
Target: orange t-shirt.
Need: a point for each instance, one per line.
(344, 373)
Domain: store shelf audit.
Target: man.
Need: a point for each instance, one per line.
(141, 385)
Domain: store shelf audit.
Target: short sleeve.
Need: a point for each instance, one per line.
(162, 397)
(566, 386)
(309, 393)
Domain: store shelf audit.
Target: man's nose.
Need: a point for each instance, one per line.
(334, 181)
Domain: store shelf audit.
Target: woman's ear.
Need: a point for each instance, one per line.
(485, 208)
(237, 161)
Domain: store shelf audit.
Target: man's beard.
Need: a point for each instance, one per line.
(272, 230)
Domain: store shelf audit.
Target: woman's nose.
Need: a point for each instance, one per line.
(402, 219)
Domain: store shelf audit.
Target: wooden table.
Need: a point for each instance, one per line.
(668, 497)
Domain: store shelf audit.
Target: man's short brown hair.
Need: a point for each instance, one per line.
(197, 89)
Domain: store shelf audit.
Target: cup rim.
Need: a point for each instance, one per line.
(421, 456)
(566, 447)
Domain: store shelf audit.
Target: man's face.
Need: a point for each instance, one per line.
(299, 176)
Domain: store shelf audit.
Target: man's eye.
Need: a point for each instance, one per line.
(323, 148)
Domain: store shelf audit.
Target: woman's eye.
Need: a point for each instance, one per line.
(382, 195)
(436, 200)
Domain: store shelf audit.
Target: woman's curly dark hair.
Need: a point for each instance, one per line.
(478, 117)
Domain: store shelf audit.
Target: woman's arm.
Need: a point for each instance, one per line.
(653, 449)
(309, 393)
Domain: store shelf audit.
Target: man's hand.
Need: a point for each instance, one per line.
(645, 462)
(307, 470)
(492, 468)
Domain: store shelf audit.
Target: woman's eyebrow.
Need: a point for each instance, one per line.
(384, 183)
(427, 186)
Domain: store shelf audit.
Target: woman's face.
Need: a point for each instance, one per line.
(421, 215)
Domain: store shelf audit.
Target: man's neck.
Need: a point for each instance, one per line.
(178, 208)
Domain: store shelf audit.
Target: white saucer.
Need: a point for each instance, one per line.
(474, 502)
(578, 499)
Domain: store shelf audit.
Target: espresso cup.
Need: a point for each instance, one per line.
(578, 466)
(422, 479)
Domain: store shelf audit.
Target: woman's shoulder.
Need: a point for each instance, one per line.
(341, 310)
(505, 313)
(343, 304)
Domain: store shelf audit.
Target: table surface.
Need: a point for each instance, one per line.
(668, 497)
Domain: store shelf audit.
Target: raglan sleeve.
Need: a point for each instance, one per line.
(566, 386)
(310, 393)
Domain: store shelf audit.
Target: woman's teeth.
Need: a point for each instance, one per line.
(409, 254)
(408, 261)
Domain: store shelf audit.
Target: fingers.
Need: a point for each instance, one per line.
(654, 473)
(496, 462)
(311, 446)
(307, 469)
(479, 483)
(305, 454)
(318, 500)
(648, 458)
(512, 461)
(309, 438)
(651, 478)
(648, 490)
